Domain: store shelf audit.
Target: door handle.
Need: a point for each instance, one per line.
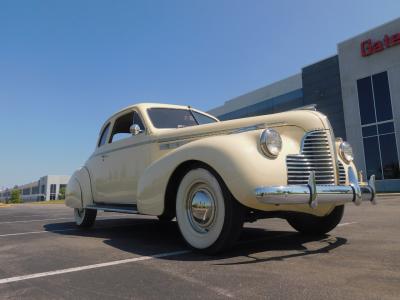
(104, 156)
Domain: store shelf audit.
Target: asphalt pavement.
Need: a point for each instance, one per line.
(44, 256)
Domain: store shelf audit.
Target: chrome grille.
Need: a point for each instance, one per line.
(342, 173)
(315, 156)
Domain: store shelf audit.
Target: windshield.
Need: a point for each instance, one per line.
(177, 118)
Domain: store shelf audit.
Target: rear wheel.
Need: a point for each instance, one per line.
(84, 217)
(309, 224)
(208, 216)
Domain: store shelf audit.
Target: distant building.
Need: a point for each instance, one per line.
(358, 89)
(46, 188)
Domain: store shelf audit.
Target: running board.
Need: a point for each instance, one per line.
(126, 209)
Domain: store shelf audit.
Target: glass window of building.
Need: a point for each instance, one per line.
(53, 188)
(382, 97)
(378, 133)
(366, 101)
(35, 190)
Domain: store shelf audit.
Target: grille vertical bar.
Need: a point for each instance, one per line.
(315, 156)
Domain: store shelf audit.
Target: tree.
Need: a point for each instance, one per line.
(61, 194)
(15, 196)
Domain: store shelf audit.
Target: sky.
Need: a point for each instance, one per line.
(66, 66)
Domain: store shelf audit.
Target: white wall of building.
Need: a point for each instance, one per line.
(354, 66)
(45, 181)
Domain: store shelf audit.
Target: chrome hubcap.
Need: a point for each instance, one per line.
(201, 209)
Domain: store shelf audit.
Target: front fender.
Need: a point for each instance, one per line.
(237, 158)
(78, 193)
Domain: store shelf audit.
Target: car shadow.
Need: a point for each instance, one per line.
(149, 236)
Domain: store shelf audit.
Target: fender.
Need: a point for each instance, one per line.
(78, 193)
(237, 158)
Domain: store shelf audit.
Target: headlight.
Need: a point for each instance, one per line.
(346, 152)
(271, 142)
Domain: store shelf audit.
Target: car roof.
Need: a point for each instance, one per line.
(146, 105)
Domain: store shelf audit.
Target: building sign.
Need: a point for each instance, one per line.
(369, 47)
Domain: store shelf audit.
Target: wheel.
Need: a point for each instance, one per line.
(209, 218)
(313, 225)
(85, 217)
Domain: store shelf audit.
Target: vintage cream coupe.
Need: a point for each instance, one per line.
(175, 161)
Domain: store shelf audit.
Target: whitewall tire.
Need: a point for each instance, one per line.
(209, 218)
(85, 217)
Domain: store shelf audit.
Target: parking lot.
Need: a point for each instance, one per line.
(42, 255)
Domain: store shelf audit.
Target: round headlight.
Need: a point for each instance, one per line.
(346, 152)
(271, 142)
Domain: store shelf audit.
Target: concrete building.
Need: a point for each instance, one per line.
(358, 89)
(46, 188)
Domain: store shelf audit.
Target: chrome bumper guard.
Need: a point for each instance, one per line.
(314, 194)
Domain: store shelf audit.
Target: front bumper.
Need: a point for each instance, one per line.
(313, 194)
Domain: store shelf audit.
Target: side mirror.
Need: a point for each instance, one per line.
(135, 129)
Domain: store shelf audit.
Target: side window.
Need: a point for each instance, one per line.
(121, 128)
(202, 119)
(137, 120)
(104, 134)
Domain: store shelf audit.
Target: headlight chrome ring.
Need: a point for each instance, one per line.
(271, 142)
(346, 152)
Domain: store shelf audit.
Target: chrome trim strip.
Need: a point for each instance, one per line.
(179, 141)
(106, 208)
(121, 148)
(172, 145)
(225, 131)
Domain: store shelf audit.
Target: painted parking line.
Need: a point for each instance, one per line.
(62, 230)
(90, 267)
(77, 229)
(36, 220)
(346, 224)
(35, 232)
(113, 217)
(38, 215)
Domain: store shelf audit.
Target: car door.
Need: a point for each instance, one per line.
(116, 168)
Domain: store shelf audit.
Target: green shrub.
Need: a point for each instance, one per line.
(15, 196)
(61, 194)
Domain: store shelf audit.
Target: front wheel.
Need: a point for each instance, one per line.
(312, 225)
(85, 217)
(209, 218)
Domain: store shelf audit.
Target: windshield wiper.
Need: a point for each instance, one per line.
(191, 112)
